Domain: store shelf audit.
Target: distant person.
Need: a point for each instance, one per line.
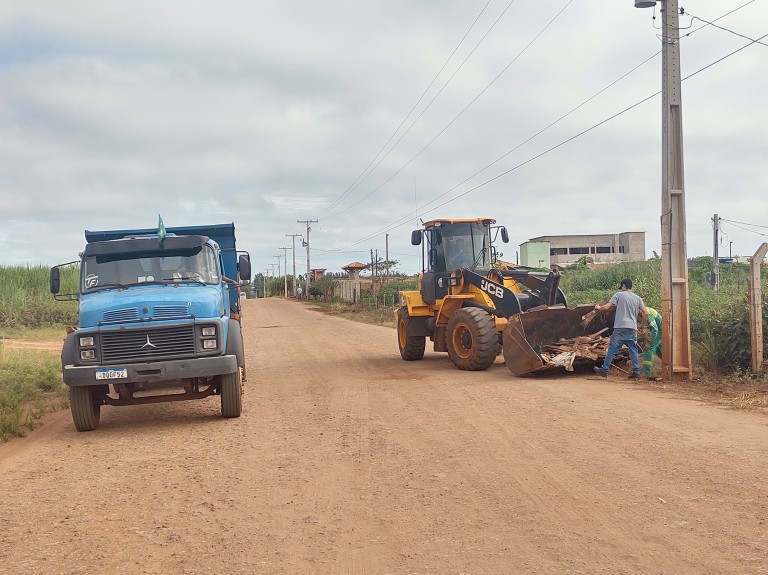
(654, 347)
(299, 291)
(627, 304)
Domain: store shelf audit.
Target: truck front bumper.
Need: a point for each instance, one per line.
(156, 371)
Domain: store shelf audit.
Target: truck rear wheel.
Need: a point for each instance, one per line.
(411, 346)
(473, 341)
(85, 410)
(231, 392)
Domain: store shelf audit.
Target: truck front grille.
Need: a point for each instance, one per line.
(148, 344)
(126, 314)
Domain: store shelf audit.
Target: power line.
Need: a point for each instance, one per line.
(743, 223)
(712, 23)
(449, 124)
(400, 222)
(408, 115)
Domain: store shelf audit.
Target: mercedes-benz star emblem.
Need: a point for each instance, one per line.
(148, 344)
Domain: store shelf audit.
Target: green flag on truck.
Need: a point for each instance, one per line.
(160, 229)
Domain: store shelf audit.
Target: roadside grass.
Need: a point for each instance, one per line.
(363, 313)
(30, 386)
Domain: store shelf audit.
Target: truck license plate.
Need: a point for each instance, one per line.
(119, 373)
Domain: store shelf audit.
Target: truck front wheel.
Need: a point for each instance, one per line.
(231, 394)
(85, 409)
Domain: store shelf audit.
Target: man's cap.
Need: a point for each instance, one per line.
(626, 282)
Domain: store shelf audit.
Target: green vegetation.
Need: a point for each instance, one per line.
(30, 380)
(26, 301)
(30, 385)
(719, 324)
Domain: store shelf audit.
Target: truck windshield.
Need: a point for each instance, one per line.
(123, 270)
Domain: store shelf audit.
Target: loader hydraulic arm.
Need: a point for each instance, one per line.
(508, 302)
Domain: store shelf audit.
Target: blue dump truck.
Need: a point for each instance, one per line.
(159, 319)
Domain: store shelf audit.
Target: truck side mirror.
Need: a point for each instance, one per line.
(416, 237)
(55, 280)
(244, 266)
(504, 235)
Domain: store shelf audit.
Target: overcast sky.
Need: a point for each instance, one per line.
(368, 116)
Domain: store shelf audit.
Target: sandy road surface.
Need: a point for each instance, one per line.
(349, 460)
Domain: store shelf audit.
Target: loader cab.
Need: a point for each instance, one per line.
(454, 244)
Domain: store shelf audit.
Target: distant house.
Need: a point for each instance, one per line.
(562, 251)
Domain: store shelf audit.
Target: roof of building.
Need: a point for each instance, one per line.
(354, 266)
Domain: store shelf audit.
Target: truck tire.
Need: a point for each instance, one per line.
(411, 346)
(85, 409)
(473, 341)
(231, 392)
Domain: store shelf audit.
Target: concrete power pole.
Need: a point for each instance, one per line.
(293, 251)
(716, 253)
(676, 321)
(278, 256)
(307, 222)
(285, 258)
(386, 252)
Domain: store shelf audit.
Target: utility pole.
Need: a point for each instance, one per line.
(293, 238)
(386, 251)
(307, 222)
(676, 321)
(716, 253)
(285, 258)
(273, 269)
(279, 271)
(266, 272)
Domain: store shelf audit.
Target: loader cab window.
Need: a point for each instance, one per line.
(459, 245)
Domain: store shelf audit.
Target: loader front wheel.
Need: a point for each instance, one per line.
(473, 341)
(411, 346)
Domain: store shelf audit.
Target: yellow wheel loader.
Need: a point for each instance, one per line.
(473, 309)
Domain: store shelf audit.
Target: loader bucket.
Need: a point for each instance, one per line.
(548, 338)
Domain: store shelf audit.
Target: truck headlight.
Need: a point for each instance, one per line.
(209, 344)
(86, 341)
(209, 331)
(88, 353)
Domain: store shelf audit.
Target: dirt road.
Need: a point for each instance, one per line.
(349, 460)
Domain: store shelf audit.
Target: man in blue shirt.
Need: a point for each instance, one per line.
(627, 304)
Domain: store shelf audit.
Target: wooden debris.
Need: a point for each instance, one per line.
(584, 349)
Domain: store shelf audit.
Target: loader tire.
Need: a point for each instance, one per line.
(473, 341)
(411, 346)
(85, 409)
(231, 390)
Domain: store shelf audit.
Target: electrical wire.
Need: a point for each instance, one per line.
(693, 18)
(551, 149)
(449, 124)
(359, 181)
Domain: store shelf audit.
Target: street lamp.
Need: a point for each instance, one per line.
(676, 323)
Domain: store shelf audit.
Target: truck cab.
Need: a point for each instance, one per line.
(159, 319)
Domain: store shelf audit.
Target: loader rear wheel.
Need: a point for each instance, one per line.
(411, 346)
(473, 341)
(85, 409)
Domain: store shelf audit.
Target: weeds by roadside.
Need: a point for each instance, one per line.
(30, 385)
